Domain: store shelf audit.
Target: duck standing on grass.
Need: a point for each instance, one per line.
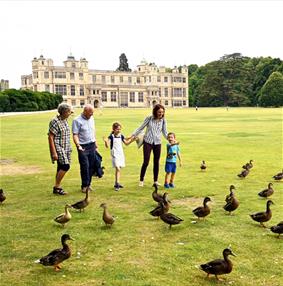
(278, 176)
(244, 173)
(2, 196)
(231, 202)
(267, 192)
(277, 228)
(155, 195)
(203, 166)
(219, 266)
(57, 256)
(107, 217)
(204, 210)
(64, 217)
(169, 218)
(262, 217)
(157, 211)
(81, 205)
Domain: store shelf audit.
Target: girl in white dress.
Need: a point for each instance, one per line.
(115, 140)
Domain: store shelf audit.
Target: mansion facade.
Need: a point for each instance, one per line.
(80, 85)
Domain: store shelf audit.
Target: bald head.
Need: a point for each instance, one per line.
(88, 111)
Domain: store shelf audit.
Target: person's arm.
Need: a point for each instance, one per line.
(164, 129)
(77, 142)
(106, 142)
(52, 148)
(179, 156)
(140, 129)
(128, 141)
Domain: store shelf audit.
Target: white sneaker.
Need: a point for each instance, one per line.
(156, 183)
(141, 184)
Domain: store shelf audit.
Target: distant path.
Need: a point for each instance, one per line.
(2, 114)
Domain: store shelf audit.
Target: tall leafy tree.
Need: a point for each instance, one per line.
(123, 66)
(271, 93)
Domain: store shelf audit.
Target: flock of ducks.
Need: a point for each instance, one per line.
(215, 267)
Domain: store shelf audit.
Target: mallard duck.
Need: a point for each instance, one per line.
(277, 228)
(157, 197)
(267, 192)
(169, 218)
(107, 217)
(232, 187)
(248, 165)
(262, 217)
(64, 217)
(2, 196)
(81, 205)
(57, 256)
(278, 176)
(203, 166)
(161, 209)
(219, 266)
(204, 210)
(231, 202)
(244, 173)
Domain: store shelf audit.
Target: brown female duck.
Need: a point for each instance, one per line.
(169, 218)
(161, 209)
(248, 165)
(204, 210)
(277, 228)
(278, 176)
(231, 202)
(244, 173)
(81, 205)
(64, 217)
(156, 197)
(219, 266)
(2, 196)
(267, 192)
(57, 256)
(203, 166)
(107, 217)
(262, 217)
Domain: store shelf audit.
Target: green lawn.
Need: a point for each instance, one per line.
(139, 249)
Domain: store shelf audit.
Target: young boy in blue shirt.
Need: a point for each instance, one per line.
(173, 151)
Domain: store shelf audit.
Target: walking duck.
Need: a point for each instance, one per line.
(203, 166)
(219, 266)
(156, 196)
(57, 256)
(63, 218)
(169, 218)
(277, 228)
(2, 196)
(107, 217)
(262, 217)
(244, 173)
(267, 192)
(278, 176)
(81, 205)
(161, 209)
(231, 202)
(248, 165)
(204, 210)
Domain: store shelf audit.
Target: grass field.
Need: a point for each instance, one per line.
(138, 249)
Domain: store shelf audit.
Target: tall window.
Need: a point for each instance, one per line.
(82, 102)
(184, 79)
(129, 79)
(140, 97)
(93, 78)
(61, 89)
(60, 75)
(166, 79)
(132, 97)
(73, 65)
(165, 91)
(138, 80)
(72, 75)
(46, 75)
(177, 79)
(113, 96)
(104, 96)
(81, 76)
(112, 79)
(73, 90)
(73, 102)
(47, 87)
(177, 102)
(82, 90)
(103, 79)
(158, 79)
(184, 92)
(177, 92)
(121, 79)
(35, 74)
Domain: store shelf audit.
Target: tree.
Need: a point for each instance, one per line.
(123, 64)
(271, 93)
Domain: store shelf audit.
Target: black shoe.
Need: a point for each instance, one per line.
(120, 186)
(59, 191)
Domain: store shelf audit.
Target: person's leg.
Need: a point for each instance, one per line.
(59, 177)
(146, 156)
(167, 176)
(117, 175)
(91, 161)
(62, 169)
(172, 178)
(156, 158)
(84, 168)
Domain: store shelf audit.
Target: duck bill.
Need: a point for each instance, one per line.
(232, 253)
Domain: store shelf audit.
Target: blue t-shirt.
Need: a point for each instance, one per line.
(172, 152)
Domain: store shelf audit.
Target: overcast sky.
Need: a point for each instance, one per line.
(168, 32)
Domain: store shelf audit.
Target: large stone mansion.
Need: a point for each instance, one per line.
(80, 85)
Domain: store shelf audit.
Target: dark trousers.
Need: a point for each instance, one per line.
(147, 148)
(86, 159)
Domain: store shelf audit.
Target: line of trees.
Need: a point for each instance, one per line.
(236, 80)
(27, 100)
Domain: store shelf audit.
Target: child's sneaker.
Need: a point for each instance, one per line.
(120, 186)
(166, 186)
(116, 187)
(141, 184)
(171, 185)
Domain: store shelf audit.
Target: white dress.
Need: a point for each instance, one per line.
(117, 152)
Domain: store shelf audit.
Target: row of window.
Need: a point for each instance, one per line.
(59, 75)
(123, 96)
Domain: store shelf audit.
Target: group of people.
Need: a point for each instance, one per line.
(84, 137)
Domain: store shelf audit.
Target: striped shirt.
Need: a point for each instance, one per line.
(154, 129)
(61, 130)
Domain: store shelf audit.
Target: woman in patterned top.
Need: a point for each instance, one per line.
(60, 145)
(155, 126)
